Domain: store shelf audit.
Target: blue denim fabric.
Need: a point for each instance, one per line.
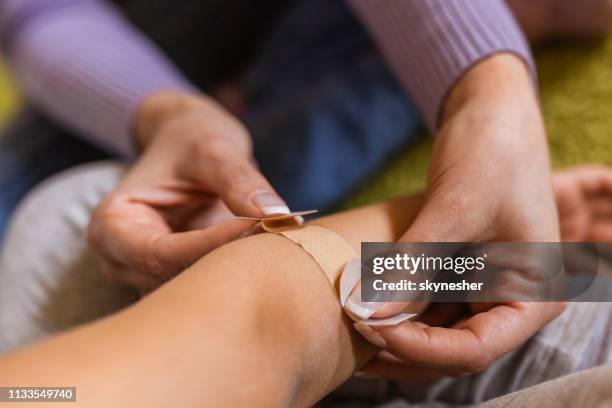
(317, 147)
(325, 113)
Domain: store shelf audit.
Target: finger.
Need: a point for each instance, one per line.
(213, 214)
(436, 222)
(236, 181)
(362, 310)
(514, 286)
(246, 192)
(601, 231)
(141, 282)
(518, 256)
(596, 179)
(168, 195)
(443, 314)
(441, 221)
(137, 237)
(470, 346)
(178, 251)
(123, 231)
(390, 309)
(601, 207)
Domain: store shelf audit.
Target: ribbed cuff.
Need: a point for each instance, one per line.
(430, 44)
(84, 65)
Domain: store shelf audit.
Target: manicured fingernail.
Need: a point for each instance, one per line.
(359, 309)
(269, 203)
(351, 275)
(370, 334)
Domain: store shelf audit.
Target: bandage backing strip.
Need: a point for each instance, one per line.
(279, 222)
(278, 216)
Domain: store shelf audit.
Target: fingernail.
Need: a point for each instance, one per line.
(370, 334)
(269, 203)
(359, 309)
(351, 275)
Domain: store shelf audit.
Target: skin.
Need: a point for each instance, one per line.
(280, 349)
(288, 343)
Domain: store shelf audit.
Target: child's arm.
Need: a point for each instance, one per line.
(254, 323)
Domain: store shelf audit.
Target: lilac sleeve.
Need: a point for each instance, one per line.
(430, 44)
(82, 63)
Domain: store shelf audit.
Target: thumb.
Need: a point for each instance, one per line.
(240, 185)
(441, 221)
(434, 223)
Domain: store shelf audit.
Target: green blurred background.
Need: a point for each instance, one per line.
(9, 97)
(576, 93)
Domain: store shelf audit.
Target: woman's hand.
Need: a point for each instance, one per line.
(489, 180)
(583, 197)
(196, 169)
(455, 339)
(489, 177)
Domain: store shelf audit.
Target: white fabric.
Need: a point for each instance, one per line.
(49, 279)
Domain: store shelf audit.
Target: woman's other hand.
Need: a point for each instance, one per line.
(196, 169)
(489, 180)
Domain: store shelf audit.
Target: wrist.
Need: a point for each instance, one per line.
(493, 118)
(495, 106)
(499, 83)
(161, 107)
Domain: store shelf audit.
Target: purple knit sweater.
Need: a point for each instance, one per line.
(84, 64)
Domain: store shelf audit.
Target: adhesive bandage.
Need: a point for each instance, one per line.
(337, 259)
(327, 248)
